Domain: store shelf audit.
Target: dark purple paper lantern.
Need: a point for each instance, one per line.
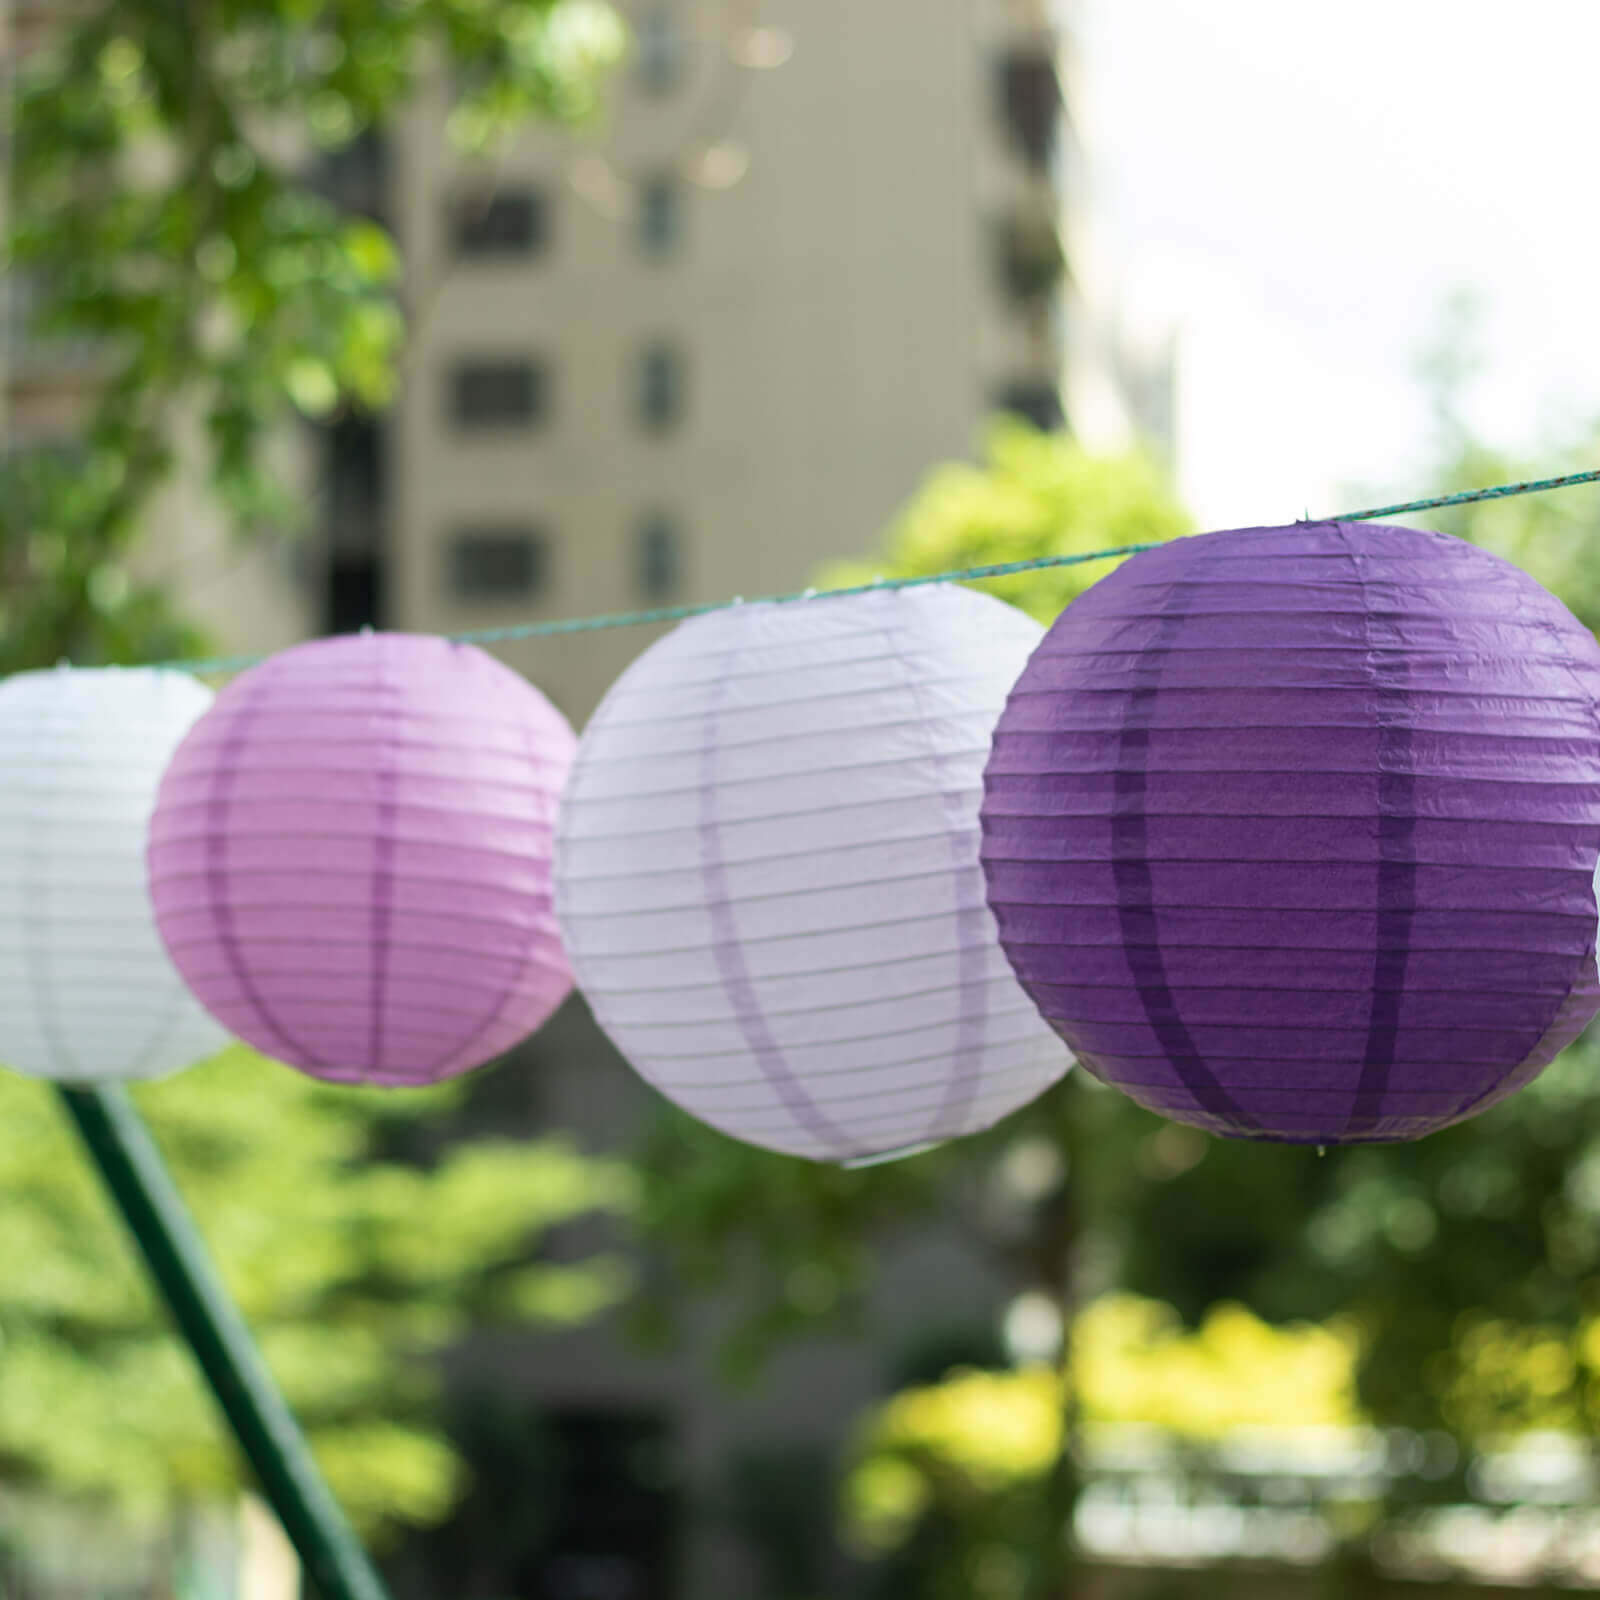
(1291, 833)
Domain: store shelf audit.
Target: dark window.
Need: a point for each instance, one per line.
(570, 1505)
(658, 558)
(1035, 399)
(353, 461)
(25, 299)
(661, 384)
(355, 176)
(660, 216)
(498, 564)
(510, 222)
(613, 1517)
(1030, 95)
(485, 393)
(1031, 257)
(353, 473)
(19, 295)
(353, 598)
(659, 52)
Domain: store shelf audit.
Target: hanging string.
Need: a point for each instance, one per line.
(1002, 569)
(1503, 492)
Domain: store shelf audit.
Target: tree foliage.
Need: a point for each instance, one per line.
(352, 1268)
(1463, 1271)
(942, 1475)
(164, 208)
(1030, 495)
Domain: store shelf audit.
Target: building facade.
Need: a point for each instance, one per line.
(717, 346)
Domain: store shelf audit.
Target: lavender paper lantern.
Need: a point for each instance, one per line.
(767, 873)
(1292, 832)
(86, 990)
(350, 858)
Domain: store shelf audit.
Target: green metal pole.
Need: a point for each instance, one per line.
(161, 1225)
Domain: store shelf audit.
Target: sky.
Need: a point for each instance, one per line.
(1298, 189)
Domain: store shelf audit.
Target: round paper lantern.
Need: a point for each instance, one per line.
(86, 989)
(1292, 832)
(350, 858)
(767, 873)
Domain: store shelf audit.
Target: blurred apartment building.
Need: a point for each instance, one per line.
(817, 246)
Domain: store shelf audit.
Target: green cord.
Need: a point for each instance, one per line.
(1004, 569)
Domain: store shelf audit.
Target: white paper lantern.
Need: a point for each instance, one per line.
(767, 873)
(86, 988)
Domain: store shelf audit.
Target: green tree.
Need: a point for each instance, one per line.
(352, 1265)
(1030, 495)
(1553, 536)
(164, 209)
(1468, 1264)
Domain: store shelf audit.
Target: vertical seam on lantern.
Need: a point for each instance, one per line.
(972, 1008)
(728, 954)
(381, 910)
(224, 772)
(1515, 1080)
(35, 924)
(1396, 887)
(1132, 881)
(1588, 701)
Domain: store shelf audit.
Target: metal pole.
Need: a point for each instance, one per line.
(140, 1184)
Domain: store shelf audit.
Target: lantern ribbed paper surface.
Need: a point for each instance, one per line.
(351, 858)
(767, 873)
(1292, 832)
(86, 989)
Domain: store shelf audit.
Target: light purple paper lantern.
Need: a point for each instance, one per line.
(350, 858)
(1291, 833)
(767, 873)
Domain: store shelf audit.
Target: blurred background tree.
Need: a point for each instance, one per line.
(164, 208)
(1458, 1278)
(942, 1486)
(1552, 536)
(353, 1256)
(1030, 494)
